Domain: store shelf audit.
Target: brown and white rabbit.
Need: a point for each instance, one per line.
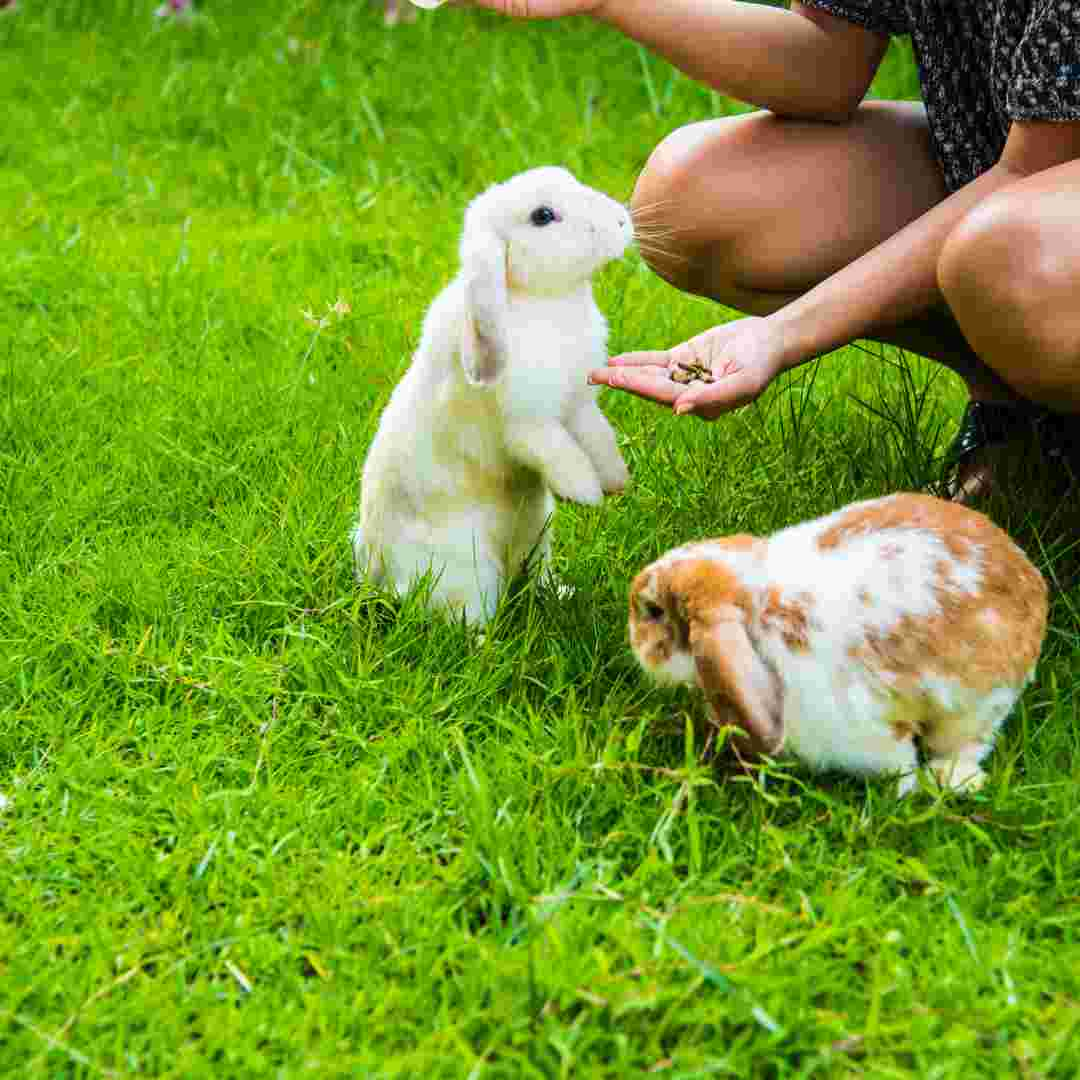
(850, 639)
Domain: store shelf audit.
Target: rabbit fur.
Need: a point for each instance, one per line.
(853, 640)
(495, 413)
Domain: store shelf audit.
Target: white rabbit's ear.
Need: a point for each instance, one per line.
(483, 346)
(735, 679)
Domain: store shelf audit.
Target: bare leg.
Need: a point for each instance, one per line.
(468, 585)
(755, 210)
(1011, 274)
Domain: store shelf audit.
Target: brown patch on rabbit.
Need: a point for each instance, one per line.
(978, 639)
(958, 526)
(791, 618)
(704, 584)
(646, 609)
(740, 542)
(983, 631)
(908, 718)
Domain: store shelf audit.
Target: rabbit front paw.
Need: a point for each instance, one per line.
(565, 467)
(614, 476)
(584, 489)
(596, 437)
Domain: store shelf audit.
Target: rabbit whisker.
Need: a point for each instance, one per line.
(664, 253)
(655, 234)
(643, 212)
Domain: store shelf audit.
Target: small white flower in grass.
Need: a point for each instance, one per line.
(340, 308)
(5, 802)
(175, 9)
(335, 312)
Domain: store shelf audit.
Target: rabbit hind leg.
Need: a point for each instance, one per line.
(960, 771)
(538, 524)
(465, 584)
(367, 561)
(956, 747)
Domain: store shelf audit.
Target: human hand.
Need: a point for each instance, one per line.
(744, 356)
(535, 9)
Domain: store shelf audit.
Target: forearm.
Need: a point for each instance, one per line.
(770, 57)
(890, 285)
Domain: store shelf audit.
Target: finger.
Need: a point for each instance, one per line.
(648, 385)
(714, 399)
(609, 376)
(654, 358)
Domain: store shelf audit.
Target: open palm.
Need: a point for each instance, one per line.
(744, 357)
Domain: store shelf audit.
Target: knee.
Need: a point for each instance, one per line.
(661, 209)
(679, 232)
(1006, 274)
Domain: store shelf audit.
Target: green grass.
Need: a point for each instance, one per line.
(264, 822)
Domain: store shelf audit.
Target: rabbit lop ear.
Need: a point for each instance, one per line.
(483, 346)
(739, 687)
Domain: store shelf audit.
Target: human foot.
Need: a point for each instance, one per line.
(1001, 443)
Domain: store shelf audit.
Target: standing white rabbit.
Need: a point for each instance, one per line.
(852, 639)
(495, 412)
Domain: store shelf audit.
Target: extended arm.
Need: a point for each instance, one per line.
(799, 63)
(891, 284)
(898, 279)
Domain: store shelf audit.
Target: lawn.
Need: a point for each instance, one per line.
(260, 820)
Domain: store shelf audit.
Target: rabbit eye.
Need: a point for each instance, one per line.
(653, 612)
(543, 215)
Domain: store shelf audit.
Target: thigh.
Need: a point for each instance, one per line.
(1010, 272)
(755, 209)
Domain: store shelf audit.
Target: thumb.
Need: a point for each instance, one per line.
(727, 393)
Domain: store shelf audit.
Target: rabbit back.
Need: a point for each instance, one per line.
(893, 619)
(438, 493)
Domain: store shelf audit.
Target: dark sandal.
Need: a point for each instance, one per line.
(986, 424)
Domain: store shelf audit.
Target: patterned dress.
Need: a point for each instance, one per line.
(982, 64)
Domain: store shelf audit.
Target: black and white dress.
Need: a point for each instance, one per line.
(982, 64)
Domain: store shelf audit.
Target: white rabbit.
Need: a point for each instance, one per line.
(495, 412)
(855, 639)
